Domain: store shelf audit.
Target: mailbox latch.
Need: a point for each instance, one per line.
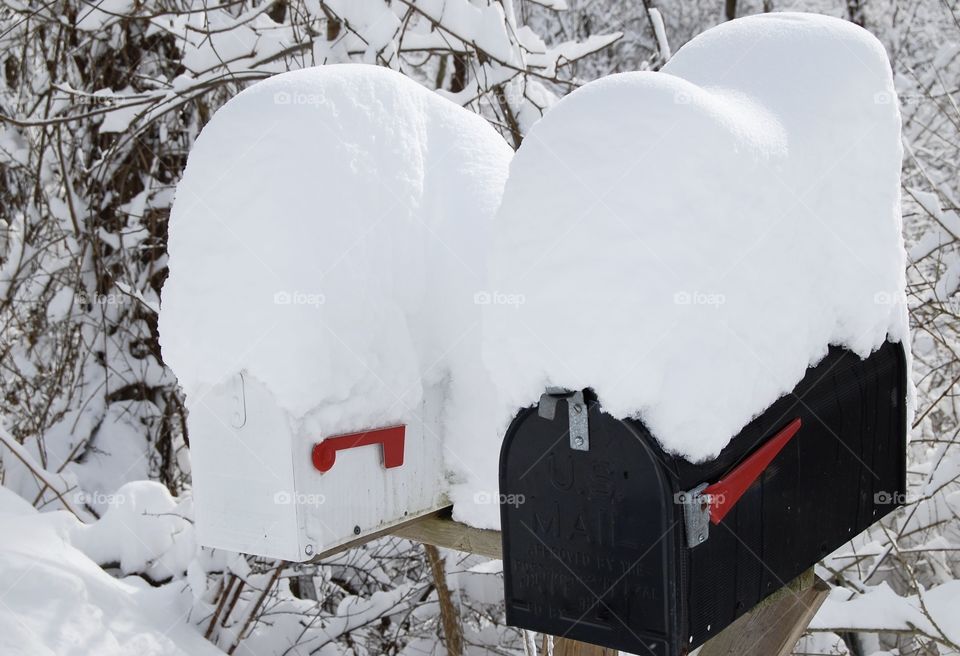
(696, 514)
(576, 412)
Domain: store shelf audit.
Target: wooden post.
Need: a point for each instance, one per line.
(449, 617)
(566, 647)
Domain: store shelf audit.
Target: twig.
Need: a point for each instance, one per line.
(256, 606)
(17, 449)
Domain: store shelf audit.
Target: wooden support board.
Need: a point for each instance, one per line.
(441, 531)
(567, 647)
(395, 529)
(772, 628)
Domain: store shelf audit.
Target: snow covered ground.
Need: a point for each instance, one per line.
(57, 600)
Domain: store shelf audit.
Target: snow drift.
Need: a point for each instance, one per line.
(57, 600)
(689, 242)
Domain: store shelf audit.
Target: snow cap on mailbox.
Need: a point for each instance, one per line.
(689, 242)
(301, 302)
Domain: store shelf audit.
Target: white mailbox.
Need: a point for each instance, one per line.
(295, 495)
(327, 247)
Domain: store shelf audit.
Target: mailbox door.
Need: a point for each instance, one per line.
(242, 474)
(590, 536)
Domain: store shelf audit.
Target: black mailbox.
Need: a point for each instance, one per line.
(617, 543)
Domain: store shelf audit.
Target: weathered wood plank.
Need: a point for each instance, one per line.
(566, 647)
(435, 528)
(389, 529)
(773, 627)
(441, 531)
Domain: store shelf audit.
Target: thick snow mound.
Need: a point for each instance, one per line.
(327, 238)
(688, 242)
(57, 600)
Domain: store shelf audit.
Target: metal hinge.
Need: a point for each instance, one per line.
(696, 514)
(577, 412)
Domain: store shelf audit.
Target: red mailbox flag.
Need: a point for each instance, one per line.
(390, 439)
(727, 491)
